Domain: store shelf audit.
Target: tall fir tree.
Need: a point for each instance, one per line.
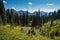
(12, 17)
(7, 15)
(58, 13)
(26, 18)
(23, 20)
(16, 19)
(2, 12)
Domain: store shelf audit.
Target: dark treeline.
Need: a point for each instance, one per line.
(8, 17)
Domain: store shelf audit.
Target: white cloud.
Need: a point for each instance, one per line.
(4, 2)
(30, 3)
(50, 4)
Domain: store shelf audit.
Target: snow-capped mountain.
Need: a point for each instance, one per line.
(34, 13)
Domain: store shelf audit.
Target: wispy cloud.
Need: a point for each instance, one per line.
(4, 2)
(30, 3)
(50, 4)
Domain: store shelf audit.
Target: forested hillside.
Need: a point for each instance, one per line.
(15, 26)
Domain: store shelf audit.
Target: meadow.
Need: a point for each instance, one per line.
(42, 33)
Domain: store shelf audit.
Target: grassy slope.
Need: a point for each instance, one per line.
(14, 33)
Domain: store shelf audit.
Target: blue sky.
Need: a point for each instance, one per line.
(33, 5)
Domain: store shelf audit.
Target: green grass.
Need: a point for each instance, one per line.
(14, 33)
(57, 38)
(8, 33)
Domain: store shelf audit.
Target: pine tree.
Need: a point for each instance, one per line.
(2, 12)
(38, 17)
(49, 17)
(12, 17)
(55, 15)
(34, 21)
(7, 15)
(58, 13)
(26, 18)
(52, 19)
(23, 20)
(16, 19)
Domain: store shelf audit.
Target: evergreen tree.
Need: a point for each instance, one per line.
(7, 15)
(54, 15)
(58, 13)
(12, 17)
(26, 18)
(38, 17)
(52, 19)
(49, 17)
(16, 20)
(23, 20)
(2, 12)
(34, 21)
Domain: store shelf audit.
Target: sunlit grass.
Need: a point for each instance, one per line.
(8, 32)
